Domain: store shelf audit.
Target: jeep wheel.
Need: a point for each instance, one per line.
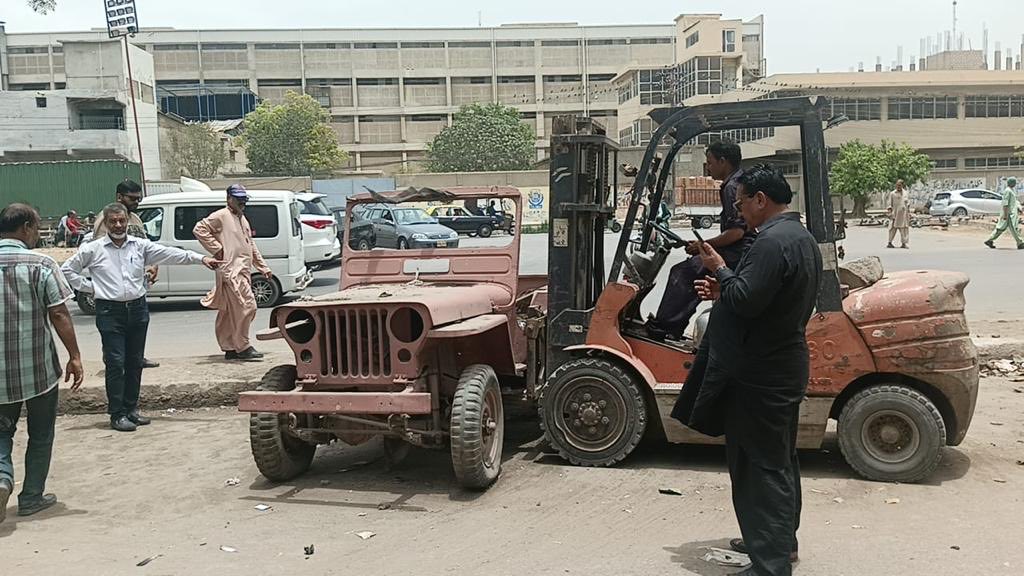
(892, 433)
(265, 291)
(484, 231)
(593, 412)
(279, 455)
(477, 428)
(86, 303)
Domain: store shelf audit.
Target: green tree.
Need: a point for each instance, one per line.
(864, 169)
(43, 6)
(291, 139)
(196, 151)
(482, 138)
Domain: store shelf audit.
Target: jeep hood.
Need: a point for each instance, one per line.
(445, 303)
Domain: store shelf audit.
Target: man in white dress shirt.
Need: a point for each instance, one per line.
(117, 265)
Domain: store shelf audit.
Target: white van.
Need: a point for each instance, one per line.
(274, 218)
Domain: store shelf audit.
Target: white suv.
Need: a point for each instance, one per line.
(319, 229)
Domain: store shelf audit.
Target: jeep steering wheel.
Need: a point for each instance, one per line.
(674, 240)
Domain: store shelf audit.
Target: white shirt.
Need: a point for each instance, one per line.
(119, 274)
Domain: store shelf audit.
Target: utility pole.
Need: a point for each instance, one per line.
(954, 22)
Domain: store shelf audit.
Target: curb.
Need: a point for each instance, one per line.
(182, 395)
(998, 348)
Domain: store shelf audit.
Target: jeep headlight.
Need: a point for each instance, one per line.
(419, 236)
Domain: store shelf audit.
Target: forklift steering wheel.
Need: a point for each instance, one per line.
(674, 240)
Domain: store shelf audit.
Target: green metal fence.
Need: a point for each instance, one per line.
(56, 187)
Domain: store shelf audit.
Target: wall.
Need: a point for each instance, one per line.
(338, 191)
(56, 187)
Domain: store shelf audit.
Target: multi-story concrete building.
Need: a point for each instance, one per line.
(87, 114)
(389, 91)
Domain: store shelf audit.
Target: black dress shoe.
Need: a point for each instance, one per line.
(231, 355)
(250, 353)
(738, 545)
(36, 506)
(138, 419)
(122, 424)
(147, 363)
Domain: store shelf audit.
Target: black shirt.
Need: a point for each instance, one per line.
(730, 218)
(757, 326)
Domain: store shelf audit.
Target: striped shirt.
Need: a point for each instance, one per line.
(32, 284)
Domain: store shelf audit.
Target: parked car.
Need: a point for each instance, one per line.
(464, 222)
(970, 202)
(319, 229)
(362, 234)
(404, 227)
(274, 216)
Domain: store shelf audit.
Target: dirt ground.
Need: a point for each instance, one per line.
(161, 492)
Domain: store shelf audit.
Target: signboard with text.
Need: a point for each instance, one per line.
(121, 17)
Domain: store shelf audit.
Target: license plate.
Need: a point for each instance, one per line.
(441, 243)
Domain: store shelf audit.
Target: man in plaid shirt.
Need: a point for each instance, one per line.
(34, 297)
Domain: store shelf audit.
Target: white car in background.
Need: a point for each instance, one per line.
(319, 229)
(969, 202)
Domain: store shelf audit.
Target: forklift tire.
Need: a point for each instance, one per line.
(279, 456)
(616, 227)
(477, 428)
(892, 433)
(593, 412)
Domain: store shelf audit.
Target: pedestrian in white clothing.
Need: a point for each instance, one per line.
(897, 207)
(117, 265)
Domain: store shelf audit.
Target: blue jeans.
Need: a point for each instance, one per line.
(123, 327)
(42, 415)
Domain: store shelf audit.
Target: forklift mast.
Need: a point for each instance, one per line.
(583, 197)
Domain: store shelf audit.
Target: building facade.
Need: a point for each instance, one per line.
(88, 113)
(389, 91)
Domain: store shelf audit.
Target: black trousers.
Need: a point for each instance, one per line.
(123, 327)
(767, 501)
(680, 300)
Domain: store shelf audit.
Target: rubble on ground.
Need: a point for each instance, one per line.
(1005, 367)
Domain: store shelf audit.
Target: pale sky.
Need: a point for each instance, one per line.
(801, 35)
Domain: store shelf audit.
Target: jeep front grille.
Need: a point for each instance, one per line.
(355, 343)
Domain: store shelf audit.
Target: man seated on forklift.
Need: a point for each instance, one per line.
(680, 301)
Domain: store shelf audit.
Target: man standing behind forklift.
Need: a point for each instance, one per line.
(758, 366)
(680, 301)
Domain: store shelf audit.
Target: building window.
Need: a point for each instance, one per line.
(693, 39)
(607, 42)
(40, 102)
(375, 45)
(561, 43)
(994, 162)
(178, 47)
(28, 50)
(944, 164)
(210, 47)
(651, 41)
(728, 41)
(857, 108)
(699, 76)
(652, 87)
(995, 106)
(627, 92)
(277, 46)
(922, 108)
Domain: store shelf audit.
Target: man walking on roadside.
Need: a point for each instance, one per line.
(757, 367)
(226, 234)
(35, 296)
(679, 302)
(117, 265)
(129, 194)
(1009, 218)
(897, 207)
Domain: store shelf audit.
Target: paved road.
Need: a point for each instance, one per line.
(181, 327)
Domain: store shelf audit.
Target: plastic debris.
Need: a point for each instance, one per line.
(726, 558)
(361, 514)
(857, 527)
(309, 550)
(669, 492)
(838, 500)
(228, 549)
(232, 481)
(893, 501)
(954, 547)
(816, 491)
(262, 507)
(366, 535)
(999, 480)
(148, 560)
(384, 506)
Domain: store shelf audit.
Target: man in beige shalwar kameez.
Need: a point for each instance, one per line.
(226, 235)
(898, 209)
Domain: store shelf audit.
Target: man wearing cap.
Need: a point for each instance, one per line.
(226, 235)
(1009, 218)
